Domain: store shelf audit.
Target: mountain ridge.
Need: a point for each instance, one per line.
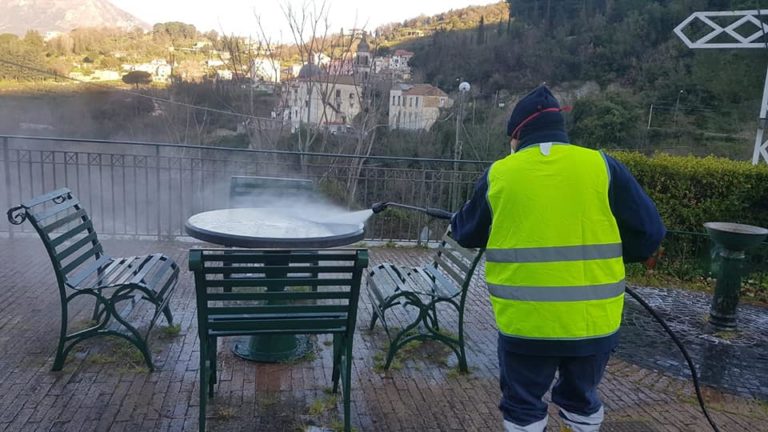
(20, 16)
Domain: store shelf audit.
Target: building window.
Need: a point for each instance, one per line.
(442, 102)
(410, 102)
(417, 102)
(398, 101)
(338, 93)
(393, 100)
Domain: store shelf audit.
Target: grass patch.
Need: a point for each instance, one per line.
(455, 372)
(170, 331)
(425, 350)
(309, 356)
(225, 413)
(120, 353)
(321, 406)
(267, 401)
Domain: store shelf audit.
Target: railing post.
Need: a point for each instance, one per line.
(157, 188)
(7, 170)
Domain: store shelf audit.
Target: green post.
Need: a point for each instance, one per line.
(722, 313)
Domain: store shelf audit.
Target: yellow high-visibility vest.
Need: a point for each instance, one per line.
(554, 263)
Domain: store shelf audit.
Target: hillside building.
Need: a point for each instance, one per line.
(416, 106)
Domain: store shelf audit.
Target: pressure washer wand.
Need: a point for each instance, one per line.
(431, 211)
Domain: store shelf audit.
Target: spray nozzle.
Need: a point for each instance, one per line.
(379, 207)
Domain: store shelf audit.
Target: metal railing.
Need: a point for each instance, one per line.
(148, 190)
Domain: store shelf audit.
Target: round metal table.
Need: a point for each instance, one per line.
(273, 228)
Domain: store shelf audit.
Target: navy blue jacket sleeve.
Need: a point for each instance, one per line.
(639, 222)
(471, 225)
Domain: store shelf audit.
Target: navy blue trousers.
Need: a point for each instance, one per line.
(525, 379)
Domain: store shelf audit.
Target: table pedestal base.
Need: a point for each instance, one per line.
(273, 348)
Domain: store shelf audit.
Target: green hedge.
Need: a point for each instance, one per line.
(689, 191)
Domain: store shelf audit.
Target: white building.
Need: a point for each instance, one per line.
(264, 69)
(394, 66)
(416, 106)
(319, 99)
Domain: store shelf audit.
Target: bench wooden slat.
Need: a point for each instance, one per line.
(56, 209)
(262, 258)
(457, 259)
(35, 201)
(64, 221)
(275, 282)
(279, 296)
(75, 263)
(380, 284)
(275, 309)
(279, 324)
(443, 286)
(68, 235)
(469, 254)
(147, 266)
(289, 269)
(76, 246)
(163, 270)
(120, 272)
(133, 265)
(75, 280)
(458, 278)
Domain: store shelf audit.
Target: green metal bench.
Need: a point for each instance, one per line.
(444, 282)
(83, 269)
(250, 191)
(254, 292)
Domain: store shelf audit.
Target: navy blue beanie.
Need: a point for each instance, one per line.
(537, 118)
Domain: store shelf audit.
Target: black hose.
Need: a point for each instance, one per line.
(679, 344)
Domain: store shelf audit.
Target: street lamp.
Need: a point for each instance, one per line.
(464, 88)
(677, 105)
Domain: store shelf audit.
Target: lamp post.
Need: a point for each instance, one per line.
(464, 88)
(677, 105)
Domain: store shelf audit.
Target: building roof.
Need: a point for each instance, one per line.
(325, 78)
(423, 90)
(404, 53)
(310, 70)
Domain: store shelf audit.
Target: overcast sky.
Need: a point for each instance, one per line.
(237, 16)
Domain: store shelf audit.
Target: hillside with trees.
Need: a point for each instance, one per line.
(703, 101)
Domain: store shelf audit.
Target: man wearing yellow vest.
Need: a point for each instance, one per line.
(558, 223)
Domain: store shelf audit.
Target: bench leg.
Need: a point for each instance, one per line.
(58, 362)
(374, 317)
(336, 362)
(434, 317)
(204, 363)
(347, 383)
(168, 314)
(403, 338)
(212, 376)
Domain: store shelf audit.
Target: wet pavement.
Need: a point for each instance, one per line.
(736, 361)
(103, 388)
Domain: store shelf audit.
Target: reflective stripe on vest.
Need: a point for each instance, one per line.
(550, 254)
(554, 263)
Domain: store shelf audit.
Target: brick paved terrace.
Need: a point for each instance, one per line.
(104, 386)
